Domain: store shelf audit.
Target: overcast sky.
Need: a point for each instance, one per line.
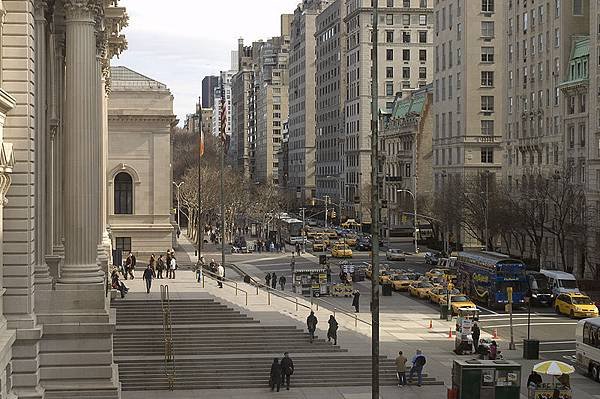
(178, 42)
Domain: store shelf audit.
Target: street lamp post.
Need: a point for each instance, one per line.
(486, 175)
(415, 215)
(326, 213)
(177, 186)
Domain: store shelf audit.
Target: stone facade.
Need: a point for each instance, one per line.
(140, 117)
(56, 327)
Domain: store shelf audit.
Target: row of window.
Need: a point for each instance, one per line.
(486, 153)
(406, 36)
(407, 3)
(389, 55)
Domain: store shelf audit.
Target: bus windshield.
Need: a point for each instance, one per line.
(569, 284)
(517, 286)
(539, 282)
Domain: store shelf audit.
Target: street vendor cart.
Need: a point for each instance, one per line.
(463, 342)
(559, 385)
(311, 281)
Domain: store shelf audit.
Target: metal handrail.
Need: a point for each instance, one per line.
(168, 336)
(344, 312)
(217, 279)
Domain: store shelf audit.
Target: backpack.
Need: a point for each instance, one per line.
(420, 361)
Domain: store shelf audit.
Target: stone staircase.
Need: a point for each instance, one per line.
(218, 347)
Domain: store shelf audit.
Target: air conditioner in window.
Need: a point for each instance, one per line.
(487, 14)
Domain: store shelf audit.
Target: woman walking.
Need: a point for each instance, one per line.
(275, 377)
(152, 264)
(332, 331)
(160, 266)
(173, 267)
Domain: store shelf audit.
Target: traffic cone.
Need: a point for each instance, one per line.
(495, 334)
(450, 333)
(430, 324)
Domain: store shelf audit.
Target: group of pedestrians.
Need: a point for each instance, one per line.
(269, 246)
(417, 364)
(312, 321)
(281, 372)
(271, 281)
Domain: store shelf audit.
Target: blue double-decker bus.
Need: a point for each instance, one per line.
(485, 277)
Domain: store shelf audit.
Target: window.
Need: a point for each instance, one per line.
(582, 134)
(578, 7)
(389, 19)
(389, 72)
(389, 88)
(422, 73)
(405, 55)
(487, 155)
(487, 54)
(571, 130)
(487, 5)
(389, 55)
(487, 78)
(123, 194)
(487, 28)
(487, 128)
(405, 19)
(422, 55)
(487, 103)
(405, 36)
(423, 3)
(123, 244)
(390, 3)
(405, 3)
(556, 37)
(423, 36)
(405, 73)
(389, 36)
(422, 19)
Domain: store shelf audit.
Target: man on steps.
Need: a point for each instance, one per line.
(311, 322)
(287, 369)
(148, 276)
(220, 275)
(418, 362)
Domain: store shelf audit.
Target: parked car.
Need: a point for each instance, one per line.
(395, 254)
(364, 245)
(458, 301)
(420, 289)
(318, 246)
(401, 282)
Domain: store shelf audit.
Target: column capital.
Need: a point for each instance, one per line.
(83, 10)
(40, 9)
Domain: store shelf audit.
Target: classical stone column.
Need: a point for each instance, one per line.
(57, 115)
(41, 275)
(82, 147)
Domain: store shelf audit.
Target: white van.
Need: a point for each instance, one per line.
(560, 282)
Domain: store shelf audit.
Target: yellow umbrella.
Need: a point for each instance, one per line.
(553, 367)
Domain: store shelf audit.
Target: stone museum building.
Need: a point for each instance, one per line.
(140, 118)
(56, 327)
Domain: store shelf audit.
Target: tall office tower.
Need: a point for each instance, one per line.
(405, 37)
(226, 77)
(547, 100)
(208, 88)
(302, 110)
(243, 116)
(330, 98)
(271, 88)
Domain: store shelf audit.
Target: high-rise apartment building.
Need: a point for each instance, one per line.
(271, 88)
(469, 97)
(302, 110)
(330, 98)
(405, 38)
(226, 78)
(209, 83)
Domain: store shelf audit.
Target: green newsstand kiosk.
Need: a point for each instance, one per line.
(486, 379)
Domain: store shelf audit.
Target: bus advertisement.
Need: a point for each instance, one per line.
(587, 347)
(485, 277)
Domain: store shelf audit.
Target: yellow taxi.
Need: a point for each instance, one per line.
(310, 234)
(341, 251)
(350, 240)
(420, 289)
(458, 301)
(332, 234)
(318, 246)
(401, 282)
(438, 293)
(437, 272)
(385, 276)
(575, 305)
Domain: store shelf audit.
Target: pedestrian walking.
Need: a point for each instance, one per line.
(220, 275)
(298, 249)
(332, 331)
(475, 333)
(268, 280)
(127, 266)
(293, 263)
(152, 264)
(273, 280)
(356, 300)
(287, 369)
(275, 376)
(160, 266)
(132, 265)
(282, 281)
(173, 267)
(148, 276)
(418, 362)
(401, 369)
(311, 323)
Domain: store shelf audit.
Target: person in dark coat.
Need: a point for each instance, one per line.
(148, 276)
(282, 281)
(332, 331)
(132, 266)
(287, 369)
(273, 280)
(127, 266)
(356, 300)
(160, 266)
(311, 323)
(475, 333)
(117, 284)
(268, 280)
(275, 377)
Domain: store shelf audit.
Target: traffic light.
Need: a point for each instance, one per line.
(312, 202)
(333, 214)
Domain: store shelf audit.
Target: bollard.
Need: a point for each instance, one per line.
(256, 288)
(246, 299)
(236, 288)
(202, 280)
(296, 304)
(355, 320)
(269, 298)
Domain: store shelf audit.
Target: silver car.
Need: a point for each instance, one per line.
(395, 254)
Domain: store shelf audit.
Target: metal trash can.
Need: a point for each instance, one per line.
(247, 279)
(443, 312)
(531, 349)
(386, 289)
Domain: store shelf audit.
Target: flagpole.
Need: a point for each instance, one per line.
(200, 227)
